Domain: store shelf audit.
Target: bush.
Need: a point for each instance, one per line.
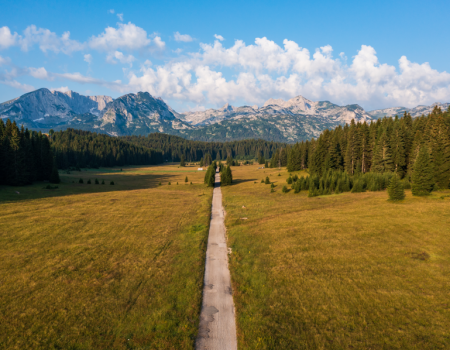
(289, 180)
(267, 180)
(80, 181)
(88, 182)
(284, 189)
(50, 187)
(111, 183)
(169, 183)
(262, 181)
(96, 182)
(103, 182)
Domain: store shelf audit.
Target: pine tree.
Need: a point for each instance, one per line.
(54, 176)
(186, 179)
(182, 162)
(395, 190)
(267, 182)
(422, 176)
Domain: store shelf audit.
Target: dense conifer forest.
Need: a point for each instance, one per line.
(174, 147)
(25, 156)
(363, 156)
(77, 148)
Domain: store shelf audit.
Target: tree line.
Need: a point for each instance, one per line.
(174, 148)
(388, 145)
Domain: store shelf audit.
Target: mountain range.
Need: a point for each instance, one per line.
(140, 114)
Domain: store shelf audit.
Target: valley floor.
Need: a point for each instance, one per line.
(121, 266)
(348, 271)
(89, 266)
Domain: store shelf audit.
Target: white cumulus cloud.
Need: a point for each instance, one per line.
(39, 73)
(219, 37)
(182, 37)
(125, 36)
(88, 58)
(49, 41)
(119, 56)
(7, 38)
(266, 70)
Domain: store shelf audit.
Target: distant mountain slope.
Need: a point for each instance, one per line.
(415, 112)
(43, 108)
(293, 107)
(140, 114)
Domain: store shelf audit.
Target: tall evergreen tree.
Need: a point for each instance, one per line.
(422, 176)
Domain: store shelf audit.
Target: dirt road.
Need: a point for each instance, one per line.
(217, 320)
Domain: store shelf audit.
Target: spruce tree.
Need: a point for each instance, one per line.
(395, 190)
(422, 176)
(54, 176)
(182, 161)
(186, 179)
(267, 182)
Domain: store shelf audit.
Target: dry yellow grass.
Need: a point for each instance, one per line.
(101, 266)
(348, 271)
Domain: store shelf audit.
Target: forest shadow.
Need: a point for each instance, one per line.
(70, 185)
(239, 181)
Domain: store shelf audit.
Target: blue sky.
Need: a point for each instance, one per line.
(204, 54)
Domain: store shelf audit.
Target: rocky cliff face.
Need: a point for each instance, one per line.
(138, 113)
(44, 108)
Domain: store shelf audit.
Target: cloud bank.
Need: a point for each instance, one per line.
(213, 74)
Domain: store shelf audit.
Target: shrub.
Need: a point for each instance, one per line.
(284, 189)
(80, 181)
(96, 182)
(111, 183)
(88, 182)
(103, 182)
(289, 180)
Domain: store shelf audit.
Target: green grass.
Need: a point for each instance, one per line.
(100, 266)
(348, 271)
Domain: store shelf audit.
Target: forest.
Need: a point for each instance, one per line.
(382, 148)
(25, 156)
(85, 149)
(174, 147)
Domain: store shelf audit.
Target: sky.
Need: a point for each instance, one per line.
(204, 54)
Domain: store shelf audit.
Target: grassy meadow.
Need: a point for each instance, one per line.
(347, 271)
(89, 266)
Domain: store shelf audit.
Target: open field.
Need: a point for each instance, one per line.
(348, 271)
(101, 266)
